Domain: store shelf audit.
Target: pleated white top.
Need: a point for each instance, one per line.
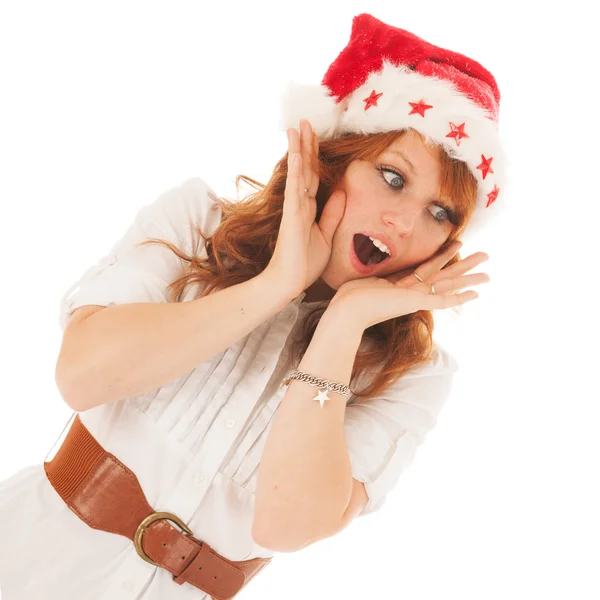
(194, 443)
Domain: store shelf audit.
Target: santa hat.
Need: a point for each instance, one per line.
(388, 79)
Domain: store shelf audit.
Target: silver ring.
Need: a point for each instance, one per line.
(415, 274)
(432, 289)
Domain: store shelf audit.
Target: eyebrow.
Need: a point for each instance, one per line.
(398, 153)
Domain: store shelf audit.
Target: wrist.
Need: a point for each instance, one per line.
(340, 319)
(277, 287)
(333, 347)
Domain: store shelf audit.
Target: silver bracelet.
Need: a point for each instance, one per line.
(332, 386)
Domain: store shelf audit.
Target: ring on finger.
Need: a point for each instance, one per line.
(419, 278)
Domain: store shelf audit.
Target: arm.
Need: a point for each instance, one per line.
(128, 349)
(304, 479)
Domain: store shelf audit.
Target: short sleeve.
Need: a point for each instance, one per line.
(383, 433)
(132, 273)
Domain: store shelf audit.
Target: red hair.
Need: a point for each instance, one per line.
(247, 234)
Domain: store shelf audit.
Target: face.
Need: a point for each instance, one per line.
(387, 196)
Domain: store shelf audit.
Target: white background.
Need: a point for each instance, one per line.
(103, 106)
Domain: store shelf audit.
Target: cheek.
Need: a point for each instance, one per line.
(428, 252)
(417, 253)
(361, 207)
(351, 217)
(351, 200)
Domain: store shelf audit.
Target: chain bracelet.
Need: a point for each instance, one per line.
(333, 386)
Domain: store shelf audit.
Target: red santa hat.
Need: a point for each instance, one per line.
(388, 79)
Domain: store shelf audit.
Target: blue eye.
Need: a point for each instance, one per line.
(444, 212)
(447, 214)
(398, 176)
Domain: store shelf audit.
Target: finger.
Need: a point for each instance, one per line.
(432, 266)
(300, 182)
(293, 141)
(332, 214)
(438, 262)
(311, 179)
(297, 178)
(443, 302)
(432, 302)
(291, 197)
(451, 286)
(304, 153)
(314, 188)
(462, 266)
(305, 150)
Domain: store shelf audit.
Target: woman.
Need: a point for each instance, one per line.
(194, 351)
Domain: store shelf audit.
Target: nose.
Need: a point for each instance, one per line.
(401, 219)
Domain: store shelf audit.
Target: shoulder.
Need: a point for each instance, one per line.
(192, 198)
(178, 210)
(441, 362)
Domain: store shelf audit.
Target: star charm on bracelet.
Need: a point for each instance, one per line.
(322, 396)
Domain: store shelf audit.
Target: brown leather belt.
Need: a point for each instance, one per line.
(107, 495)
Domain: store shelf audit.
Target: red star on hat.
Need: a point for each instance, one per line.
(419, 108)
(485, 165)
(492, 195)
(457, 132)
(382, 60)
(372, 99)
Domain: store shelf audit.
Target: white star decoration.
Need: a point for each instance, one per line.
(322, 396)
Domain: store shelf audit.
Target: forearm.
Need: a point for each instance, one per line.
(305, 479)
(126, 350)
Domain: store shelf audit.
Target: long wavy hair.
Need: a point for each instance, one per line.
(243, 244)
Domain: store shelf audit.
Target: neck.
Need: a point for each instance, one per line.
(318, 291)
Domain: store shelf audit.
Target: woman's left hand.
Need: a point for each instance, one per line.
(371, 300)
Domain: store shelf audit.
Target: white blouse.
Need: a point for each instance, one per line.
(194, 443)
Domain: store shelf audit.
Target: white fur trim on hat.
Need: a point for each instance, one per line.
(399, 85)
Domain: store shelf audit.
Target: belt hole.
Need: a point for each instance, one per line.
(164, 544)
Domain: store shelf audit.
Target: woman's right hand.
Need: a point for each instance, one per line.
(303, 246)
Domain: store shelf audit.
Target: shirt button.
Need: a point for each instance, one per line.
(128, 586)
(230, 423)
(198, 478)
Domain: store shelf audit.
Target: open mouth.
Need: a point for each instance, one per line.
(367, 252)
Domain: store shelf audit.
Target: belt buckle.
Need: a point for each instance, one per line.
(143, 526)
